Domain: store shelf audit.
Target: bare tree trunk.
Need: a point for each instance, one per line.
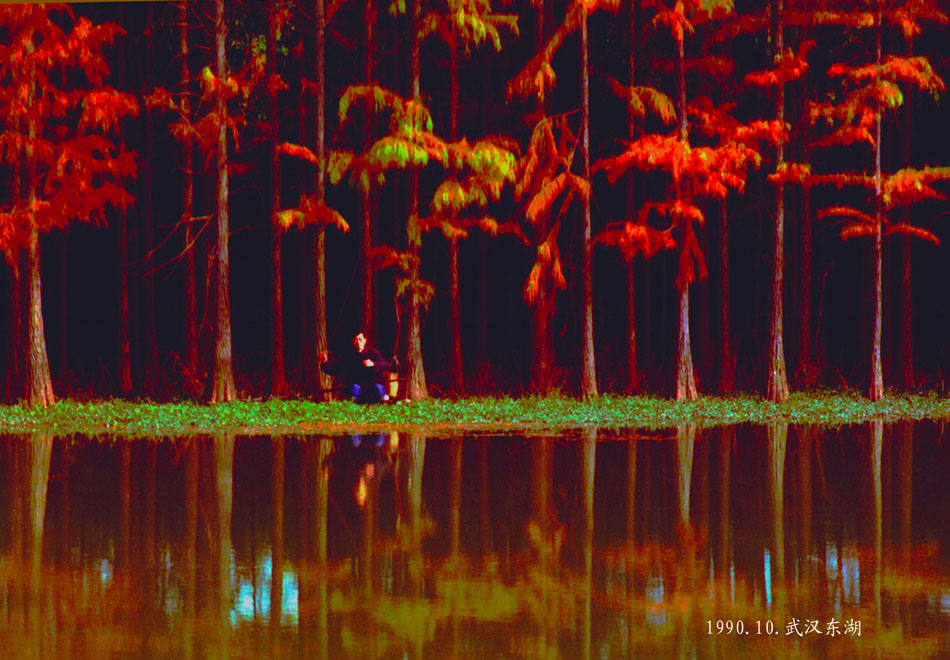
(223, 384)
(319, 257)
(685, 378)
(588, 367)
(542, 353)
(777, 383)
(190, 362)
(416, 375)
(278, 376)
(685, 374)
(39, 384)
(40, 391)
(876, 389)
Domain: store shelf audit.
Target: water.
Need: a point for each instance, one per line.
(736, 542)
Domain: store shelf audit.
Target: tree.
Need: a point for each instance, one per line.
(222, 387)
(787, 66)
(696, 171)
(312, 210)
(73, 168)
(633, 235)
(223, 101)
(461, 23)
(278, 378)
(867, 92)
(475, 176)
(536, 79)
(190, 363)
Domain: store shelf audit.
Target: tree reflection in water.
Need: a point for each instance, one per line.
(593, 544)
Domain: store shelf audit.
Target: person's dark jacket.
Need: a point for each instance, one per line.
(349, 366)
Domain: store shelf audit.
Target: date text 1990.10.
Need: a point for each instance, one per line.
(831, 628)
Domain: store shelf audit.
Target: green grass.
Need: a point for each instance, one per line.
(552, 413)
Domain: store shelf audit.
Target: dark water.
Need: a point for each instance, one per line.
(742, 542)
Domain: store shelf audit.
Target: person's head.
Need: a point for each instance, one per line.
(359, 341)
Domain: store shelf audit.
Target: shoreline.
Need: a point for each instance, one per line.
(531, 414)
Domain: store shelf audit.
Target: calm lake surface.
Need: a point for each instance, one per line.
(736, 542)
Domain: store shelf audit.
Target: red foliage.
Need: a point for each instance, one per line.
(73, 166)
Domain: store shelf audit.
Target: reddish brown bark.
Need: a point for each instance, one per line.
(40, 385)
(588, 366)
(685, 374)
(876, 387)
(777, 382)
(416, 376)
(319, 257)
(223, 388)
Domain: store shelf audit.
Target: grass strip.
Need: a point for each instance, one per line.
(502, 414)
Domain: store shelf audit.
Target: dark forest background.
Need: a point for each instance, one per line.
(80, 267)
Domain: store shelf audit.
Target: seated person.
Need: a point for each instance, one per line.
(361, 369)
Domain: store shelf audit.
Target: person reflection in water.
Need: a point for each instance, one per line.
(360, 462)
(362, 369)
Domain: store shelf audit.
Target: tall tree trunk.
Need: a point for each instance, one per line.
(223, 384)
(416, 376)
(588, 367)
(190, 364)
(455, 320)
(685, 375)
(319, 257)
(876, 388)
(39, 384)
(367, 318)
(726, 364)
(148, 304)
(542, 316)
(777, 384)
(40, 391)
(278, 376)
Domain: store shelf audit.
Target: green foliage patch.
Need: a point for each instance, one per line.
(500, 414)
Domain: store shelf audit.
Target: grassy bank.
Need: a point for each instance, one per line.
(276, 416)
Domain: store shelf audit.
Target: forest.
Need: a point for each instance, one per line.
(579, 196)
